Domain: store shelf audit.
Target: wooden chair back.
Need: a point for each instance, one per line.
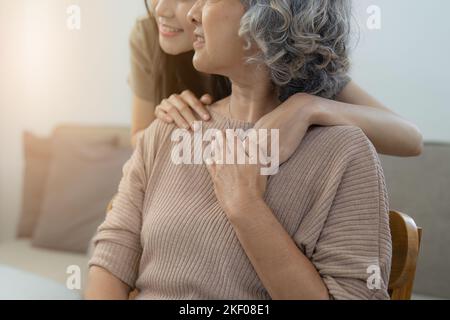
(406, 237)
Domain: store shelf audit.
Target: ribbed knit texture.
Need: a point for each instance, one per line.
(168, 236)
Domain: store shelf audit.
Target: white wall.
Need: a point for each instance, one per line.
(406, 64)
(49, 74)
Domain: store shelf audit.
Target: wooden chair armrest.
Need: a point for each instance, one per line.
(110, 204)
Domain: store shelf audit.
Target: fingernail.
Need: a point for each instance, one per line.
(206, 117)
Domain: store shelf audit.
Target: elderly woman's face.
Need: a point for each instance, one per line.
(218, 47)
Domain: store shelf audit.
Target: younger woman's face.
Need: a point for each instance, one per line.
(175, 31)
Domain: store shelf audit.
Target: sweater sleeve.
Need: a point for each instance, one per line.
(353, 252)
(117, 245)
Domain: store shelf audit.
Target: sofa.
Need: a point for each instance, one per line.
(420, 187)
(69, 178)
(416, 186)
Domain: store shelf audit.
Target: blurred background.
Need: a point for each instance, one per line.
(51, 75)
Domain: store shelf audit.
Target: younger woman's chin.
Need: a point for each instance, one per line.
(173, 49)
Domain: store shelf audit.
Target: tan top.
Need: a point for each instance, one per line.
(141, 46)
(168, 236)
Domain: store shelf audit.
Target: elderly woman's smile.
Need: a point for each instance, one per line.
(199, 39)
(218, 46)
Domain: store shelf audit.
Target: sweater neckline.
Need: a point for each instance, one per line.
(225, 119)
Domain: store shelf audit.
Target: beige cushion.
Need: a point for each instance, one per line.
(37, 153)
(83, 177)
(122, 135)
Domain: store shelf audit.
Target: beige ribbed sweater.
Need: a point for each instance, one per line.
(167, 235)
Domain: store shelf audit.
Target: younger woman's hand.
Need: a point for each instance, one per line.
(180, 108)
(292, 118)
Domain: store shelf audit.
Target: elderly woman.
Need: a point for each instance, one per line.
(318, 229)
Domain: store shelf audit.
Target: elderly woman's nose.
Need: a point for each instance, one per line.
(195, 14)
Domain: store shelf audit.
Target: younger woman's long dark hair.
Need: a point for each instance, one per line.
(173, 74)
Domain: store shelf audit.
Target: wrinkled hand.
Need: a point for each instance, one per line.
(236, 185)
(292, 118)
(180, 108)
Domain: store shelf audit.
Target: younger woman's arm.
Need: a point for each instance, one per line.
(388, 132)
(142, 115)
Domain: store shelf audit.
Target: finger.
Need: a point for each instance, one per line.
(253, 150)
(175, 115)
(207, 99)
(216, 145)
(213, 146)
(230, 142)
(162, 115)
(183, 108)
(264, 144)
(219, 148)
(240, 147)
(210, 166)
(246, 144)
(196, 104)
(167, 107)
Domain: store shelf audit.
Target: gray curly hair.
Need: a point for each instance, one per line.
(304, 43)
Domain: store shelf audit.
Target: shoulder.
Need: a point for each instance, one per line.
(157, 134)
(349, 140)
(336, 148)
(144, 27)
(142, 35)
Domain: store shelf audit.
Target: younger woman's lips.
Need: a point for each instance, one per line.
(168, 31)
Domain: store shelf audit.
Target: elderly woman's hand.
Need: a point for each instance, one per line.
(292, 118)
(237, 185)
